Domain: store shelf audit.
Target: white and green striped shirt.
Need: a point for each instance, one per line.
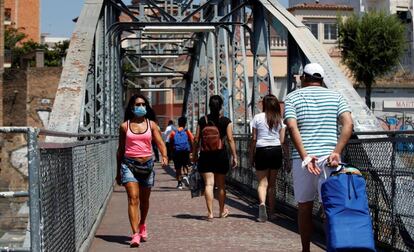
(316, 110)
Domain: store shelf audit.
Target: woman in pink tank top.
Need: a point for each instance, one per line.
(135, 163)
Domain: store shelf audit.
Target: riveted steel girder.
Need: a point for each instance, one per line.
(68, 107)
(223, 69)
(241, 93)
(181, 44)
(263, 77)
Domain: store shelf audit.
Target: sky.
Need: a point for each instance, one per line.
(56, 16)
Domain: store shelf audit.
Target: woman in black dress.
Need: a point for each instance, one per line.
(213, 165)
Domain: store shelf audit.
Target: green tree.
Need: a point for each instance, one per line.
(13, 41)
(24, 49)
(371, 46)
(54, 56)
(12, 37)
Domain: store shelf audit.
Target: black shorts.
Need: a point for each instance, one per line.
(269, 157)
(169, 154)
(181, 158)
(214, 161)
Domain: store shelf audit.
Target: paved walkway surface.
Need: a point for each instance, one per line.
(175, 223)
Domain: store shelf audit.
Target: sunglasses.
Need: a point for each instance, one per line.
(139, 104)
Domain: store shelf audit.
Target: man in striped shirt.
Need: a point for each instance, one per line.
(311, 115)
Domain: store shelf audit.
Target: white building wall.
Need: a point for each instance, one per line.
(390, 6)
(395, 103)
(369, 5)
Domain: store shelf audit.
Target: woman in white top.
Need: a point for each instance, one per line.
(266, 152)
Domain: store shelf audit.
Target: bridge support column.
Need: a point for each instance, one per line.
(296, 62)
(263, 77)
(241, 91)
(204, 82)
(223, 70)
(212, 85)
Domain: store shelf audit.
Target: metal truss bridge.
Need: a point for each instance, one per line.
(225, 47)
(203, 47)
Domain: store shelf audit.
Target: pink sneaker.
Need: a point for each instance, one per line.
(136, 239)
(143, 232)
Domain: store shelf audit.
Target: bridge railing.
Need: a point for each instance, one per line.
(389, 172)
(69, 185)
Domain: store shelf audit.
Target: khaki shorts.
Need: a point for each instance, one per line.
(306, 185)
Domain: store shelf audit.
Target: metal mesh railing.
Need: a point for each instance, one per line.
(388, 166)
(387, 162)
(69, 184)
(76, 180)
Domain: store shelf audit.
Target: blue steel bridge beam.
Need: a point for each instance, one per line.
(263, 77)
(203, 85)
(191, 90)
(192, 79)
(223, 66)
(211, 65)
(241, 93)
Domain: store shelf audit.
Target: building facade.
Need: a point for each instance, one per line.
(321, 18)
(392, 102)
(392, 99)
(24, 15)
(1, 59)
(402, 8)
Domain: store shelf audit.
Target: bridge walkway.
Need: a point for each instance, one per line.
(175, 223)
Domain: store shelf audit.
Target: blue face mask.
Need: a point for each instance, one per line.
(140, 111)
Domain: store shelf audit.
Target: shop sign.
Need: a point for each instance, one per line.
(399, 104)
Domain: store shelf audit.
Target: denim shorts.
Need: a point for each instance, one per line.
(128, 176)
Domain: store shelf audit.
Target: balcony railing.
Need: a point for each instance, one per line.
(276, 43)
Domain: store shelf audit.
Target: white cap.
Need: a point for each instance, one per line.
(315, 70)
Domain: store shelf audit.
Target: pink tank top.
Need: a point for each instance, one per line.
(138, 144)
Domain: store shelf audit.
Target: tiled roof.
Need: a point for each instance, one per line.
(319, 6)
(398, 82)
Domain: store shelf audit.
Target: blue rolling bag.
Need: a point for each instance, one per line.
(348, 222)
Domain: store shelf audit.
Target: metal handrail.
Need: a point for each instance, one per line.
(33, 157)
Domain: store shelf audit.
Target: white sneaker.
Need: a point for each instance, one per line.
(186, 181)
(180, 186)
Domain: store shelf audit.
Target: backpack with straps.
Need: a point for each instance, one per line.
(210, 137)
(181, 140)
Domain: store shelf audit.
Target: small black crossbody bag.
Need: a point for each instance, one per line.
(140, 170)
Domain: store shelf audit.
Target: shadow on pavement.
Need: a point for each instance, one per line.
(190, 216)
(166, 189)
(242, 216)
(250, 208)
(242, 207)
(121, 239)
(170, 170)
(282, 220)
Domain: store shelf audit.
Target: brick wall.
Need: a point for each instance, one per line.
(1, 58)
(42, 87)
(26, 14)
(14, 97)
(29, 95)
